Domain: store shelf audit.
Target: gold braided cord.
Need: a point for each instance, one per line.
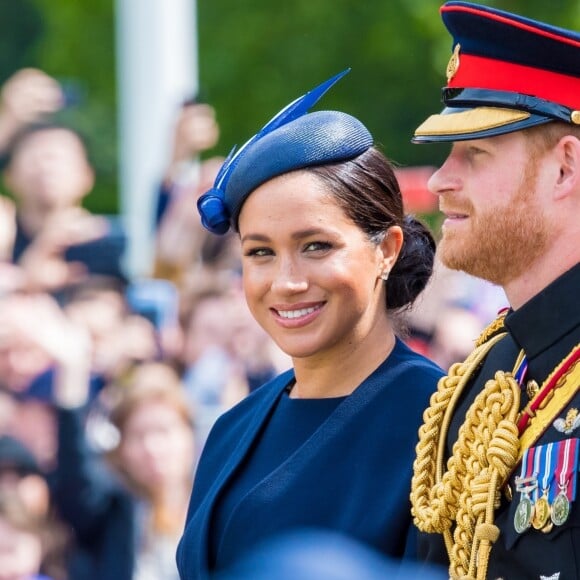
(467, 493)
(491, 329)
(432, 511)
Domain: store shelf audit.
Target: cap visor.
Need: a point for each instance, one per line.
(454, 124)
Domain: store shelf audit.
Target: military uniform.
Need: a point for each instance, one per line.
(496, 473)
(547, 329)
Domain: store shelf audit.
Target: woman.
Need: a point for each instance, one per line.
(327, 257)
(128, 519)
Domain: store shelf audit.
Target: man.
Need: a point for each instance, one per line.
(57, 243)
(496, 472)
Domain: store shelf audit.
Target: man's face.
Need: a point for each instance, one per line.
(494, 226)
(50, 170)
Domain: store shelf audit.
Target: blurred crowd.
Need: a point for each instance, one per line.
(109, 384)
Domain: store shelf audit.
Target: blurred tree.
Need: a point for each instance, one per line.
(21, 30)
(255, 56)
(78, 49)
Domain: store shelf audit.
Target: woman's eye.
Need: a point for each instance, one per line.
(317, 246)
(258, 252)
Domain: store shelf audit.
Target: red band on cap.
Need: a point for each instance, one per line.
(476, 72)
(512, 22)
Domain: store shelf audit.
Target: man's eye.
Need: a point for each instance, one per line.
(475, 151)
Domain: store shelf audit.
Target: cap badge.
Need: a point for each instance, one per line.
(453, 64)
(575, 117)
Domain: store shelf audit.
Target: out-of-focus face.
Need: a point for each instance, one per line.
(157, 446)
(50, 170)
(21, 359)
(20, 552)
(208, 327)
(35, 426)
(494, 224)
(310, 275)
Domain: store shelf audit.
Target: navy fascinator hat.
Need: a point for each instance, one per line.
(293, 139)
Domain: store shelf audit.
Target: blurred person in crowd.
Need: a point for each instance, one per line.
(328, 257)
(453, 287)
(497, 467)
(57, 242)
(128, 520)
(186, 253)
(29, 335)
(120, 335)
(28, 96)
(226, 355)
(454, 334)
(7, 408)
(23, 541)
(47, 171)
(21, 472)
(127, 507)
(179, 235)
(159, 301)
(47, 240)
(31, 533)
(21, 359)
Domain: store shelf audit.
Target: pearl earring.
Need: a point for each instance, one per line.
(385, 275)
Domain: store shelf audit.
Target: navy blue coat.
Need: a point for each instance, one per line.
(352, 475)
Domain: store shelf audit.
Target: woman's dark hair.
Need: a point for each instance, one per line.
(367, 189)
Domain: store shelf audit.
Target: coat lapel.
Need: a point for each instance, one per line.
(197, 569)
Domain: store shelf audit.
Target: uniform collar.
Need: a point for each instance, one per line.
(548, 316)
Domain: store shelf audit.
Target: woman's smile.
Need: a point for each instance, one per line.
(297, 316)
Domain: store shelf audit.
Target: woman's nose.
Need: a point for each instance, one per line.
(289, 277)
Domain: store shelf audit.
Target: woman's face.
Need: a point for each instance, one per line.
(310, 275)
(157, 446)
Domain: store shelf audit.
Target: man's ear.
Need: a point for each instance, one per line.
(568, 154)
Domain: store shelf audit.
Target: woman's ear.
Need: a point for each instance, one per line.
(390, 248)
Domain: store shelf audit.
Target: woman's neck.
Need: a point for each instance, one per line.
(339, 374)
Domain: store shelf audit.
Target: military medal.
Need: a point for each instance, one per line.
(524, 514)
(541, 512)
(566, 478)
(525, 484)
(560, 509)
(545, 460)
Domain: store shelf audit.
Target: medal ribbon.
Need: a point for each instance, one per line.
(571, 472)
(536, 473)
(526, 482)
(519, 480)
(549, 466)
(530, 466)
(521, 369)
(566, 466)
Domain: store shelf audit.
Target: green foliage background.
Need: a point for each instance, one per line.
(254, 57)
